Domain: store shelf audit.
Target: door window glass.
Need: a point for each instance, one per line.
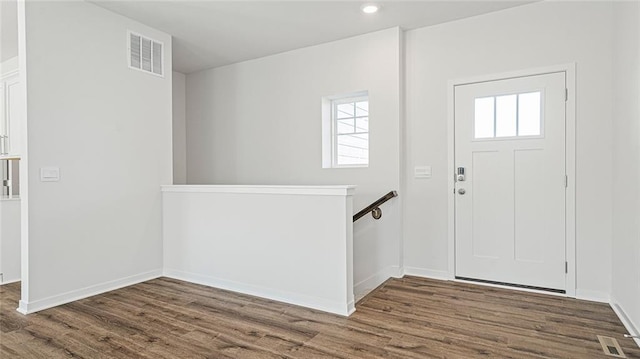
(513, 115)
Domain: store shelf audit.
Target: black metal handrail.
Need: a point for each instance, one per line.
(374, 207)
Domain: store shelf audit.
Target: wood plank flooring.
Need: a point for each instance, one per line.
(405, 318)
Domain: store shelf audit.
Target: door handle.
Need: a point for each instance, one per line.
(460, 174)
(462, 191)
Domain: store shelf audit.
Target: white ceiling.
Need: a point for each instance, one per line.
(209, 34)
(8, 29)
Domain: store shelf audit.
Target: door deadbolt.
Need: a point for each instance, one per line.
(460, 175)
(462, 191)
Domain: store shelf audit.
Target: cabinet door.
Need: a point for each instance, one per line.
(4, 126)
(14, 113)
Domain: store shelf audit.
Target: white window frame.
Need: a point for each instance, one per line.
(329, 143)
(516, 137)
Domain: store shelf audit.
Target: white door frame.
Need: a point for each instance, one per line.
(570, 160)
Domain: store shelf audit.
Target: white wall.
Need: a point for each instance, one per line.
(297, 248)
(179, 129)
(530, 36)
(626, 162)
(259, 122)
(108, 129)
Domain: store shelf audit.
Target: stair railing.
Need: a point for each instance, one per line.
(374, 207)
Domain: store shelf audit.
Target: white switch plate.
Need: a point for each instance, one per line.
(49, 174)
(422, 171)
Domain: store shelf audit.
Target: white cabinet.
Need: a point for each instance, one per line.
(4, 123)
(9, 241)
(11, 116)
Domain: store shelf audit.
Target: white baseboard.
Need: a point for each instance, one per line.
(365, 286)
(626, 321)
(41, 304)
(340, 308)
(428, 273)
(593, 296)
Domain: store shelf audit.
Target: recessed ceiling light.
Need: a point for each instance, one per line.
(369, 8)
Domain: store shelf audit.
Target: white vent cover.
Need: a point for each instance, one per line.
(145, 54)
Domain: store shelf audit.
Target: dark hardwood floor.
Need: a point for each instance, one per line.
(405, 318)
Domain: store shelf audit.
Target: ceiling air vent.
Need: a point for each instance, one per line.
(145, 54)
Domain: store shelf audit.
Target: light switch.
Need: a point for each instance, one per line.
(422, 171)
(49, 174)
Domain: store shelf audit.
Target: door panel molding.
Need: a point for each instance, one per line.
(569, 71)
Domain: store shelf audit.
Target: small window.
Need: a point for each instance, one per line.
(514, 115)
(348, 135)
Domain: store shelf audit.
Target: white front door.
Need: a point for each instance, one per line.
(510, 201)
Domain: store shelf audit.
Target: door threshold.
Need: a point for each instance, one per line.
(511, 285)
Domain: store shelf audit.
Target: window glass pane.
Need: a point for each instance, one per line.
(345, 110)
(351, 131)
(529, 114)
(362, 108)
(506, 115)
(344, 126)
(483, 121)
(362, 124)
(353, 149)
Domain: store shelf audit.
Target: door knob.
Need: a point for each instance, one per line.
(462, 191)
